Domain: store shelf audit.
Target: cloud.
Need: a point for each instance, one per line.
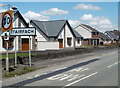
(35, 16)
(54, 11)
(74, 23)
(86, 17)
(3, 10)
(87, 7)
(102, 23)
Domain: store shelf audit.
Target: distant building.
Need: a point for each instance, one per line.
(112, 36)
(104, 39)
(90, 34)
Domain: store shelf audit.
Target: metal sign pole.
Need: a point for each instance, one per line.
(7, 59)
(29, 52)
(15, 52)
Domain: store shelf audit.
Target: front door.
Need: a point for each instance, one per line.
(60, 43)
(25, 44)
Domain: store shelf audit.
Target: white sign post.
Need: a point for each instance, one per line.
(15, 51)
(24, 32)
(29, 51)
(6, 37)
(7, 59)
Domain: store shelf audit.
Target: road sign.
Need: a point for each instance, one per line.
(7, 21)
(23, 31)
(6, 36)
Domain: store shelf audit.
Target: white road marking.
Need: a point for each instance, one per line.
(51, 78)
(29, 77)
(81, 79)
(57, 76)
(59, 69)
(113, 64)
(84, 69)
(76, 77)
(37, 75)
(68, 76)
(79, 70)
(76, 70)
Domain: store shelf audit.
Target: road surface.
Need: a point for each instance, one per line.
(100, 69)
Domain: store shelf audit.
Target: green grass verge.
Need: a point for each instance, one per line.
(24, 70)
(18, 54)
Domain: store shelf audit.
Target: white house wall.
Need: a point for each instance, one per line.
(61, 36)
(15, 23)
(84, 32)
(39, 37)
(42, 46)
(68, 34)
(78, 44)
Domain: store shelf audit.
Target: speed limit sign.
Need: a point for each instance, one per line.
(7, 21)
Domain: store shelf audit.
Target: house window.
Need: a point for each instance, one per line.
(78, 41)
(10, 43)
(19, 23)
(69, 41)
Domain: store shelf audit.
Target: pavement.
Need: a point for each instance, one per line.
(99, 68)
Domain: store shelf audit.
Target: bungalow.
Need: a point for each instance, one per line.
(22, 42)
(112, 36)
(90, 35)
(104, 39)
(53, 35)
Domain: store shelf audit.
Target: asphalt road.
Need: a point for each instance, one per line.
(100, 69)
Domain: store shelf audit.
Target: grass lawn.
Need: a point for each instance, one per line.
(13, 55)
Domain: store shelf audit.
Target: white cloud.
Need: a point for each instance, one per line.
(87, 7)
(54, 11)
(74, 23)
(102, 23)
(3, 10)
(35, 16)
(86, 17)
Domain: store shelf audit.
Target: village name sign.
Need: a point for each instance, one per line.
(23, 31)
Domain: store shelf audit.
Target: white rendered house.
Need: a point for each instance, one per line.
(53, 35)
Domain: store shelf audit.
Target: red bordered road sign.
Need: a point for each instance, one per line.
(7, 21)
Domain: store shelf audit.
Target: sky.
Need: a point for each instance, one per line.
(101, 15)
